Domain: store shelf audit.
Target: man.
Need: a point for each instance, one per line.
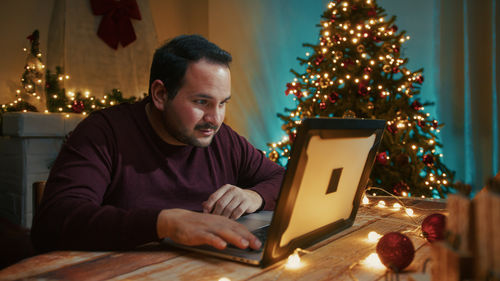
(164, 167)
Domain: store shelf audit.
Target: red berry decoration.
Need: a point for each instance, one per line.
(392, 128)
(433, 227)
(395, 251)
(77, 106)
(416, 105)
(322, 105)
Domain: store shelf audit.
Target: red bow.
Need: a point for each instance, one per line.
(116, 26)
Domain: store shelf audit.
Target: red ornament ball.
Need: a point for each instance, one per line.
(433, 227)
(322, 105)
(395, 251)
(333, 97)
(382, 158)
(428, 160)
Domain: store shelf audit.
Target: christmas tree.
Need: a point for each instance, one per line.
(357, 70)
(29, 96)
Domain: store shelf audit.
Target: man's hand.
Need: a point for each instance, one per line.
(232, 202)
(192, 229)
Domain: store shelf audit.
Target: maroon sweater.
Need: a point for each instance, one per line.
(114, 175)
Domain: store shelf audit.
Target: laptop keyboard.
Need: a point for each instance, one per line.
(260, 233)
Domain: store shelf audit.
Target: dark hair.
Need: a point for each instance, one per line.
(171, 60)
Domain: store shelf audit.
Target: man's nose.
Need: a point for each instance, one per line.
(214, 115)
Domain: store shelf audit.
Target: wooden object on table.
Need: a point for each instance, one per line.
(459, 223)
(449, 264)
(487, 233)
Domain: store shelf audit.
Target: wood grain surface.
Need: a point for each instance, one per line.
(340, 257)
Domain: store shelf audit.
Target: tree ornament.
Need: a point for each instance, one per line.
(349, 114)
(433, 227)
(363, 90)
(292, 136)
(348, 63)
(400, 187)
(396, 50)
(393, 129)
(435, 124)
(421, 123)
(273, 155)
(372, 12)
(370, 105)
(360, 48)
(333, 97)
(319, 59)
(428, 160)
(420, 79)
(395, 69)
(77, 106)
(367, 70)
(382, 158)
(393, 28)
(386, 68)
(322, 105)
(416, 105)
(395, 251)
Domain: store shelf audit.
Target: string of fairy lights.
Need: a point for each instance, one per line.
(356, 70)
(372, 261)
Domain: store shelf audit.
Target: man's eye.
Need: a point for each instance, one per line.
(201, 102)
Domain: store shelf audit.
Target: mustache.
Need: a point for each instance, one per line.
(205, 126)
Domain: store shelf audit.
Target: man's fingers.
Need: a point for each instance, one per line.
(239, 210)
(230, 207)
(213, 240)
(213, 199)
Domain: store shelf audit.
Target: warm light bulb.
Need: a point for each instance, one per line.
(397, 206)
(365, 200)
(374, 236)
(373, 261)
(409, 212)
(293, 261)
(224, 279)
(381, 204)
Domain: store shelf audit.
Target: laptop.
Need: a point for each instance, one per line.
(328, 170)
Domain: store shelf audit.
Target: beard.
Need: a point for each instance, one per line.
(183, 134)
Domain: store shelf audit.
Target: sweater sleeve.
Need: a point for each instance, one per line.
(73, 214)
(258, 173)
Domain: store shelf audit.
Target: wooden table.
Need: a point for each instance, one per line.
(341, 257)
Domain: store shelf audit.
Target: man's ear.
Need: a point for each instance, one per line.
(159, 94)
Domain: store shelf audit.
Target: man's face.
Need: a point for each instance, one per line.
(196, 113)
